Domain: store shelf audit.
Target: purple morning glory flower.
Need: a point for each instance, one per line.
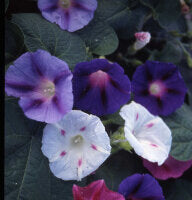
(43, 83)
(159, 87)
(70, 15)
(141, 187)
(171, 168)
(100, 87)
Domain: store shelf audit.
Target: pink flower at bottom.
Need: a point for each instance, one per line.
(97, 190)
(171, 168)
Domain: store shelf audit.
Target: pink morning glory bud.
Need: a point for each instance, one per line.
(184, 7)
(142, 38)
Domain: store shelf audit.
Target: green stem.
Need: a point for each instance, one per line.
(186, 53)
(117, 141)
(107, 122)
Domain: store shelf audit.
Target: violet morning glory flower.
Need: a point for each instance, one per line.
(70, 15)
(159, 87)
(97, 190)
(149, 136)
(100, 87)
(43, 83)
(76, 145)
(171, 168)
(141, 187)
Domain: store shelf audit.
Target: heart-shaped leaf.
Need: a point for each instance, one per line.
(41, 34)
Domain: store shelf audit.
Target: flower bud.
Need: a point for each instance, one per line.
(142, 38)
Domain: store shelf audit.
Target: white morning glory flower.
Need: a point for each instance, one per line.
(149, 136)
(75, 146)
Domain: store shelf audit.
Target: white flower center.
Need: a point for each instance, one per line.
(157, 89)
(65, 3)
(48, 89)
(77, 141)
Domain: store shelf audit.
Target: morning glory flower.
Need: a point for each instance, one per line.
(159, 87)
(76, 145)
(70, 15)
(149, 136)
(96, 190)
(100, 87)
(142, 39)
(171, 168)
(43, 83)
(141, 187)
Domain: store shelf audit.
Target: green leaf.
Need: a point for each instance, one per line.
(130, 22)
(172, 53)
(100, 38)
(125, 16)
(27, 174)
(41, 34)
(110, 10)
(186, 73)
(168, 12)
(114, 118)
(14, 42)
(180, 189)
(150, 3)
(118, 167)
(178, 25)
(180, 124)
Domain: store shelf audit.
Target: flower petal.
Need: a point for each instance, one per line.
(21, 78)
(171, 168)
(95, 190)
(43, 82)
(148, 135)
(80, 146)
(100, 87)
(76, 16)
(158, 100)
(46, 111)
(140, 186)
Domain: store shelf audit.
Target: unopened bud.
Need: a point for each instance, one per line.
(142, 38)
(184, 7)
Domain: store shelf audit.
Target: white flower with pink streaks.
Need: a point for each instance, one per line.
(149, 136)
(75, 146)
(142, 38)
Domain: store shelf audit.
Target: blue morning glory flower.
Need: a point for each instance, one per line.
(159, 87)
(141, 187)
(100, 87)
(43, 83)
(70, 15)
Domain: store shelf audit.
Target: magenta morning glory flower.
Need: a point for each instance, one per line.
(141, 187)
(43, 83)
(100, 87)
(171, 168)
(70, 15)
(159, 87)
(96, 190)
